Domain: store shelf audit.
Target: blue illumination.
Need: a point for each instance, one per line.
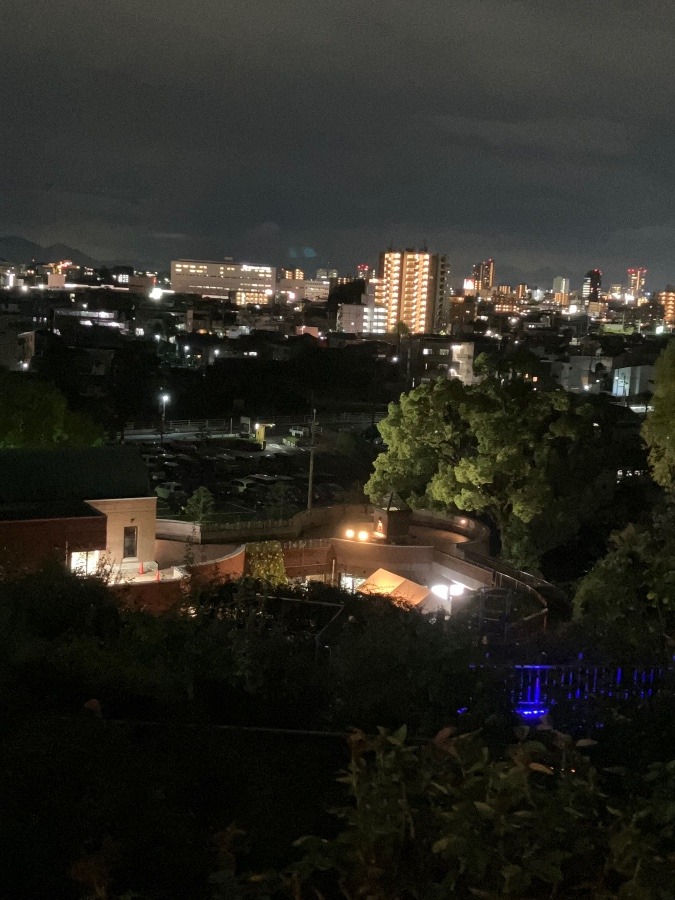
(531, 712)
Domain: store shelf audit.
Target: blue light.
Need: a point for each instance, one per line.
(531, 713)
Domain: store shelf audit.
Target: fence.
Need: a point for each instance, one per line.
(228, 424)
(535, 688)
(173, 529)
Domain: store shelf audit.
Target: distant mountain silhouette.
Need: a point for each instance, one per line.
(16, 249)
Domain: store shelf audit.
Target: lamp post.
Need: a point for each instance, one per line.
(310, 483)
(164, 398)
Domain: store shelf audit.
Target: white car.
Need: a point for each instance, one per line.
(242, 484)
(169, 489)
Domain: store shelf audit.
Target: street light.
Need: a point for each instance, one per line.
(164, 399)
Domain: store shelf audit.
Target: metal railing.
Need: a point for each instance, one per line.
(533, 689)
(225, 425)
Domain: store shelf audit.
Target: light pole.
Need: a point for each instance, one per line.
(164, 398)
(310, 483)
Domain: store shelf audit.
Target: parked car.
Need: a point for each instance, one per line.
(169, 489)
(242, 484)
(299, 431)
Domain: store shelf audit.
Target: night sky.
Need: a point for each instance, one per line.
(287, 131)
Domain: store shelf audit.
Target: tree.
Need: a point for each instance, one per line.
(659, 426)
(501, 447)
(199, 506)
(630, 592)
(451, 819)
(34, 415)
(265, 563)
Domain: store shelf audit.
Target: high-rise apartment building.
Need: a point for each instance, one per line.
(591, 286)
(636, 281)
(561, 285)
(484, 275)
(667, 300)
(239, 283)
(412, 285)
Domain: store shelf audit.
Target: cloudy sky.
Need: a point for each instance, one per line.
(320, 131)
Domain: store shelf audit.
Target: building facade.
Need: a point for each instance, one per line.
(238, 283)
(592, 285)
(636, 281)
(484, 275)
(367, 318)
(667, 300)
(428, 357)
(412, 286)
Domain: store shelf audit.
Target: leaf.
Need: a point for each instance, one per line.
(484, 809)
(398, 737)
(538, 767)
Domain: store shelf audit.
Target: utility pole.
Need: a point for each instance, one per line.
(310, 483)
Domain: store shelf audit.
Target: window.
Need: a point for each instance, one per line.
(130, 541)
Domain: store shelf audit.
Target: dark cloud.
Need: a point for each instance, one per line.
(534, 131)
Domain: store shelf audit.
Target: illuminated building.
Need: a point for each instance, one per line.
(427, 358)
(412, 285)
(240, 283)
(561, 285)
(290, 289)
(326, 274)
(506, 303)
(365, 271)
(591, 287)
(291, 274)
(636, 281)
(355, 318)
(667, 300)
(484, 275)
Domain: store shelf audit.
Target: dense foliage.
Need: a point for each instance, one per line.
(536, 462)
(265, 563)
(632, 588)
(143, 791)
(659, 427)
(537, 821)
(34, 415)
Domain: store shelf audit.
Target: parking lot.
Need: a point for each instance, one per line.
(246, 480)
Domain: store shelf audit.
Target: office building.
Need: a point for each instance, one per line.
(636, 281)
(326, 274)
(290, 289)
(412, 285)
(561, 285)
(365, 271)
(239, 283)
(483, 275)
(360, 319)
(591, 286)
